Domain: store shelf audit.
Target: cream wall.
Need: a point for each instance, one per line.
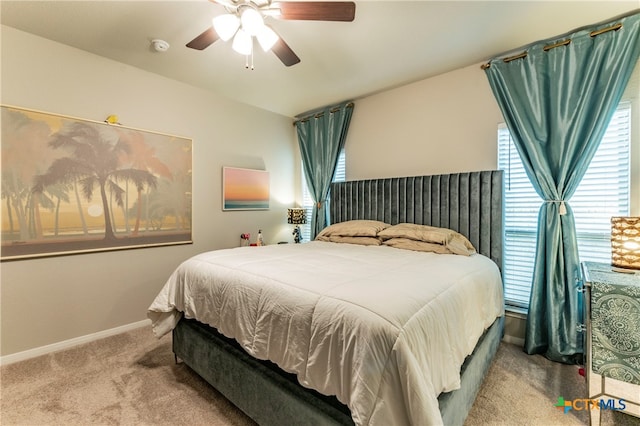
(443, 124)
(49, 300)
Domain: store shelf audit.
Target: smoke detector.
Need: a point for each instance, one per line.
(159, 45)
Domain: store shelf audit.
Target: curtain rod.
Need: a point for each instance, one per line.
(558, 44)
(320, 114)
(523, 55)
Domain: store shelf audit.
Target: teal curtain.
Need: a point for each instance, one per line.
(321, 136)
(557, 102)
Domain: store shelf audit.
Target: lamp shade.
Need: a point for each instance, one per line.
(226, 26)
(242, 42)
(267, 38)
(296, 216)
(251, 21)
(625, 242)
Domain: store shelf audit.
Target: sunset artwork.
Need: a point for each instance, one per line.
(245, 189)
(75, 186)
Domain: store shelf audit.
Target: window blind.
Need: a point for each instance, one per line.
(307, 201)
(602, 193)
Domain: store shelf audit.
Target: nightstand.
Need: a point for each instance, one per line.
(612, 340)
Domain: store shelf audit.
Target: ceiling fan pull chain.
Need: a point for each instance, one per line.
(246, 60)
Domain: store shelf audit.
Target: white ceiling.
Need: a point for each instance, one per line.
(390, 43)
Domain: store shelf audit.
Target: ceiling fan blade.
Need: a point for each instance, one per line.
(204, 40)
(284, 53)
(317, 10)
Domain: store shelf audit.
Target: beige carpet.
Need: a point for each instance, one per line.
(131, 379)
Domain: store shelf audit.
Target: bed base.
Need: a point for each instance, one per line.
(271, 396)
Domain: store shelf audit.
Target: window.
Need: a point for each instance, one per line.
(307, 201)
(603, 192)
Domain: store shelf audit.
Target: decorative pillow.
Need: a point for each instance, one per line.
(354, 228)
(363, 241)
(454, 241)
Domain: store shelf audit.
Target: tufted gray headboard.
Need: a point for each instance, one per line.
(470, 203)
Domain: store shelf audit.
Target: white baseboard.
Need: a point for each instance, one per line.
(66, 344)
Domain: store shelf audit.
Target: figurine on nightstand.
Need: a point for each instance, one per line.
(260, 241)
(297, 236)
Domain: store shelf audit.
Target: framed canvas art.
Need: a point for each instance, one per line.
(245, 189)
(73, 186)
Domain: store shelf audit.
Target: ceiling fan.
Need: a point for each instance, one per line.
(244, 20)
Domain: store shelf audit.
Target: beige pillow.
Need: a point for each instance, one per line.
(460, 245)
(407, 244)
(454, 241)
(354, 228)
(363, 241)
(429, 234)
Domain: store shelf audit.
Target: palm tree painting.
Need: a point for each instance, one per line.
(75, 186)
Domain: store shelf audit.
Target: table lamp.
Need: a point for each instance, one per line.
(296, 216)
(625, 244)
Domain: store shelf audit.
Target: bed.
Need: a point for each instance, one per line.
(359, 361)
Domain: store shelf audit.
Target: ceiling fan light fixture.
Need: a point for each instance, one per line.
(242, 42)
(226, 26)
(251, 20)
(245, 19)
(267, 38)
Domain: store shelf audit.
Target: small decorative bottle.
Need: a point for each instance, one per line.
(260, 241)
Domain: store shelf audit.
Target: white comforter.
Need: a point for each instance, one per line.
(385, 330)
